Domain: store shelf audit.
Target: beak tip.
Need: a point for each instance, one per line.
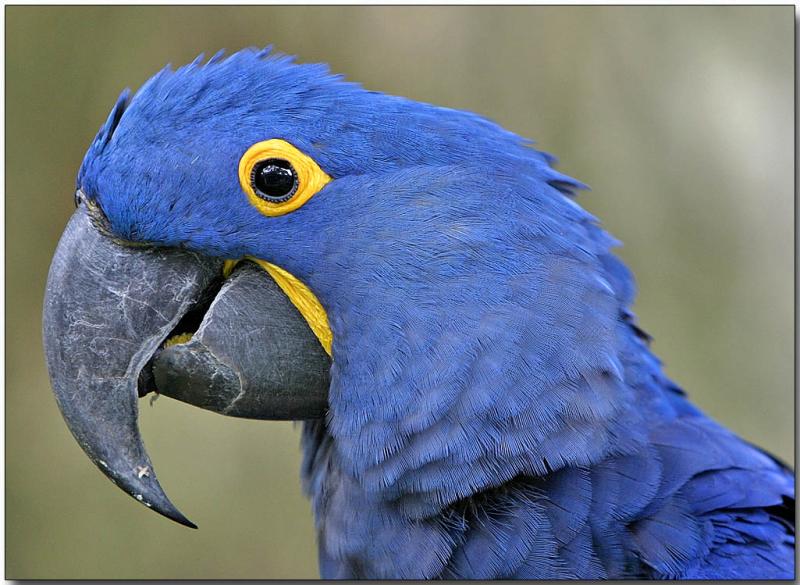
(164, 507)
(176, 516)
(168, 510)
(151, 495)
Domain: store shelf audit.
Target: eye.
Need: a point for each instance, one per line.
(279, 178)
(274, 180)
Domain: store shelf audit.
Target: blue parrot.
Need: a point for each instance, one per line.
(490, 408)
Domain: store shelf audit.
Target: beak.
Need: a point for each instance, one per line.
(109, 309)
(253, 356)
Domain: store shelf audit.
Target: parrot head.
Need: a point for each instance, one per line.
(170, 167)
(407, 238)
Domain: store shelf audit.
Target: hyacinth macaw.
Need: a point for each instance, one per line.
(427, 296)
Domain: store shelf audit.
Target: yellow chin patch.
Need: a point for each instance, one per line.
(300, 295)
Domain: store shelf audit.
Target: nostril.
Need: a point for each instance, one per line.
(80, 198)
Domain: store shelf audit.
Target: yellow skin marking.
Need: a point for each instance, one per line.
(178, 339)
(311, 178)
(300, 295)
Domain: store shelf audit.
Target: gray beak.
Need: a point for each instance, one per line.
(253, 356)
(108, 310)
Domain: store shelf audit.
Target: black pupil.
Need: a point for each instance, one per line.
(274, 179)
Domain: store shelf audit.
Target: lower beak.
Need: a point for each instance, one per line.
(108, 310)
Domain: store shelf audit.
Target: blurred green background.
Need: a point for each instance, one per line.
(681, 119)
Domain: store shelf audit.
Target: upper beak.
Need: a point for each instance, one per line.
(108, 309)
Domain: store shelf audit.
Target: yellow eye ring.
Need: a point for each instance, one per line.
(278, 178)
